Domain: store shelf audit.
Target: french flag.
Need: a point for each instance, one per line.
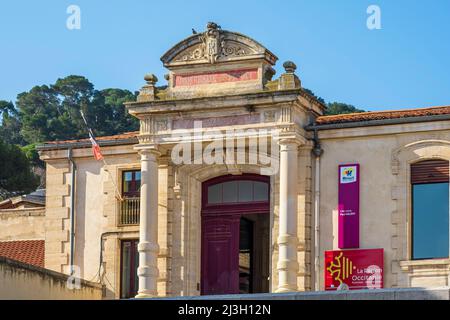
(95, 148)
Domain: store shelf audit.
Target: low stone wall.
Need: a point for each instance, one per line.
(442, 293)
(22, 224)
(22, 281)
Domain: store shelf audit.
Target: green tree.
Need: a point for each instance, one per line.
(341, 108)
(41, 115)
(10, 124)
(53, 112)
(32, 155)
(6, 106)
(320, 99)
(16, 176)
(335, 108)
(109, 116)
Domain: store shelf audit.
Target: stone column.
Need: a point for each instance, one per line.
(148, 226)
(287, 237)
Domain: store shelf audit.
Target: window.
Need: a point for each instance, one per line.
(430, 209)
(131, 183)
(239, 191)
(129, 265)
(130, 204)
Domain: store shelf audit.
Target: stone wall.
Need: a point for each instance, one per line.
(103, 211)
(21, 281)
(22, 224)
(305, 216)
(57, 221)
(96, 214)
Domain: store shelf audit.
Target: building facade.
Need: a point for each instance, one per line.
(231, 184)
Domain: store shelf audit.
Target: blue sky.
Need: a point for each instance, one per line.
(404, 65)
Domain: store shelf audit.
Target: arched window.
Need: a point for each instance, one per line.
(430, 209)
(240, 192)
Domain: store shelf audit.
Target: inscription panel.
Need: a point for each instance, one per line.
(216, 122)
(183, 80)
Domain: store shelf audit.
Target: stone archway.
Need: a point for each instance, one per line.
(235, 237)
(187, 222)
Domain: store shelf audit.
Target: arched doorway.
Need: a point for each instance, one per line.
(235, 234)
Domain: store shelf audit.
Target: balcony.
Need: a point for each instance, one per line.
(129, 211)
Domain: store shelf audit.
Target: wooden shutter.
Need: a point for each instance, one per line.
(430, 171)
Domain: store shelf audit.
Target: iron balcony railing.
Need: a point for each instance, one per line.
(129, 211)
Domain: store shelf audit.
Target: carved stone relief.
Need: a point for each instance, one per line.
(270, 116)
(213, 45)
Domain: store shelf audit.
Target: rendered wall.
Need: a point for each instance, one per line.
(96, 210)
(384, 154)
(19, 281)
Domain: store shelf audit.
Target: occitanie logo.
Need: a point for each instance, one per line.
(341, 269)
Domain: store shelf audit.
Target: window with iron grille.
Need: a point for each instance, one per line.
(130, 203)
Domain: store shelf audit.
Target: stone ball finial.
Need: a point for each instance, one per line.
(150, 78)
(289, 66)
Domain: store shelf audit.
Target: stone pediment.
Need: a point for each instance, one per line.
(216, 46)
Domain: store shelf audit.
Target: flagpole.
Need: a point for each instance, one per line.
(113, 181)
(91, 135)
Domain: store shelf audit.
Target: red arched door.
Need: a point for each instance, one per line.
(233, 209)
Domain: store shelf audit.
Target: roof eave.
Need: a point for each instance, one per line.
(379, 122)
(85, 144)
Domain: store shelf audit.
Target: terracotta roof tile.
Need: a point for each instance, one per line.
(26, 251)
(122, 136)
(383, 115)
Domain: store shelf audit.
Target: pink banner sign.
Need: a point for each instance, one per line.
(348, 207)
(182, 80)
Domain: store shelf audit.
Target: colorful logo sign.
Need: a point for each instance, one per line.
(358, 269)
(348, 206)
(348, 174)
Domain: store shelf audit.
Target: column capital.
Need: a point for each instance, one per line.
(151, 150)
(291, 139)
(289, 144)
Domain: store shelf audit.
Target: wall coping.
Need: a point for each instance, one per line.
(438, 293)
(61, 277)
(23, 212)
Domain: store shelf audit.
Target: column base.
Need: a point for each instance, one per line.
(286, 290)
(145, 296)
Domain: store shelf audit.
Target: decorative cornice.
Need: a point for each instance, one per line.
(395, 161)
(214, 46)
